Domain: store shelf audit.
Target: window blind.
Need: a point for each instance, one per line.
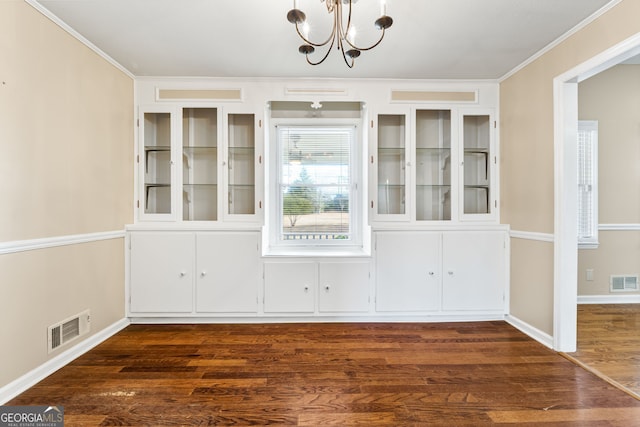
(587, 184)
(315, 182)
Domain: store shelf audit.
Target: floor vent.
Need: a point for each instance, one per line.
(68, 330)
(623, 283)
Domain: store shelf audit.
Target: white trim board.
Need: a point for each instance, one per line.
(50, 242)
(619, 227)
(29, 379)
(609, 299)
(263, 319)
(532, 332)
(531, 235)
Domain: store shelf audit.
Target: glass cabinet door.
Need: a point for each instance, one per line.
(199, 164)
(476, 130)
(156, 135)
(241, 191)
(392, 162)
(433, 165)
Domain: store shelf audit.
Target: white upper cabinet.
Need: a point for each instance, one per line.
(432, 165)
(156, 163)
(199, 163)
(478, 198)
(389, 161)
(199, 149)
(242, 166)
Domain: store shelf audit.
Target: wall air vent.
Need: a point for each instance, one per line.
(623, 283)
(68, 330)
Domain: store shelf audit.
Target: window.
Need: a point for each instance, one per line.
(587, 184)
(315, 186)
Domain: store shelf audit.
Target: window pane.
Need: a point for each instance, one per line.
(315, 182)
(587, 184)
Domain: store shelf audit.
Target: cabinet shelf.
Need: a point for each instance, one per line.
(479, 189)
(433, 150)
(484, 152)
(197, 149)
(241, 150)
(148, 149)
(447, 186)
(149, 187)
(391, 150)
(187, 186)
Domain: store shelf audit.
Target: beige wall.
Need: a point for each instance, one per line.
(613, 99)
(526, 138)
(66, 168)
(618, 253)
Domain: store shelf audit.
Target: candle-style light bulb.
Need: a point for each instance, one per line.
(305, 30)
(351, 35)
(295, 4)
(383, 7)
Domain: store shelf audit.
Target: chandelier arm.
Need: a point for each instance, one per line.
(324, 43)
(347, 32)
(370, 47)
(346, 61)
(325, 55)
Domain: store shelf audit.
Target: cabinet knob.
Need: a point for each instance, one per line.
(183, 273)
(306, 289)
(431, 273)
(450, 273)
(326, 288)
(204, 273)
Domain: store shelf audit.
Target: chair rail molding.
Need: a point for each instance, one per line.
(50, 242)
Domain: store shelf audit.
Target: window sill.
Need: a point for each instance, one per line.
(316, 251)
(589, 245)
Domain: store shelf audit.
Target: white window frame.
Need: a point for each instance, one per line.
(274, 217)
(588, 182)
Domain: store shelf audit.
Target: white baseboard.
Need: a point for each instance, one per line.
(29, 379)
(535, 333)
(365, 318)
(609, 299)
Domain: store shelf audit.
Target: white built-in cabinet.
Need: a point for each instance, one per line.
(432, 164)
(448, 271)
(300, 286)
(194, 272)
(162, 272)
(199, 163)
(432, 199)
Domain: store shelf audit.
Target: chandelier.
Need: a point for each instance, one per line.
(343, 37)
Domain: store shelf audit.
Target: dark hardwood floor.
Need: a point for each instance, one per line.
(609, 343)
(398, 374)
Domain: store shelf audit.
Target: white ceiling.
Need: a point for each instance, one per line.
(430, 39)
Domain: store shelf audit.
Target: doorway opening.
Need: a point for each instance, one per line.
(565, 88)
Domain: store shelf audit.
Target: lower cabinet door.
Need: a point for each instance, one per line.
(290, 287)
(343, 287)
(161, 272)
(227, 272)
(408, 271)
(474, 271)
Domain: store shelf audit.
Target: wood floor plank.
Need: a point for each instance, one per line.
(400, 374)
(609, 343)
